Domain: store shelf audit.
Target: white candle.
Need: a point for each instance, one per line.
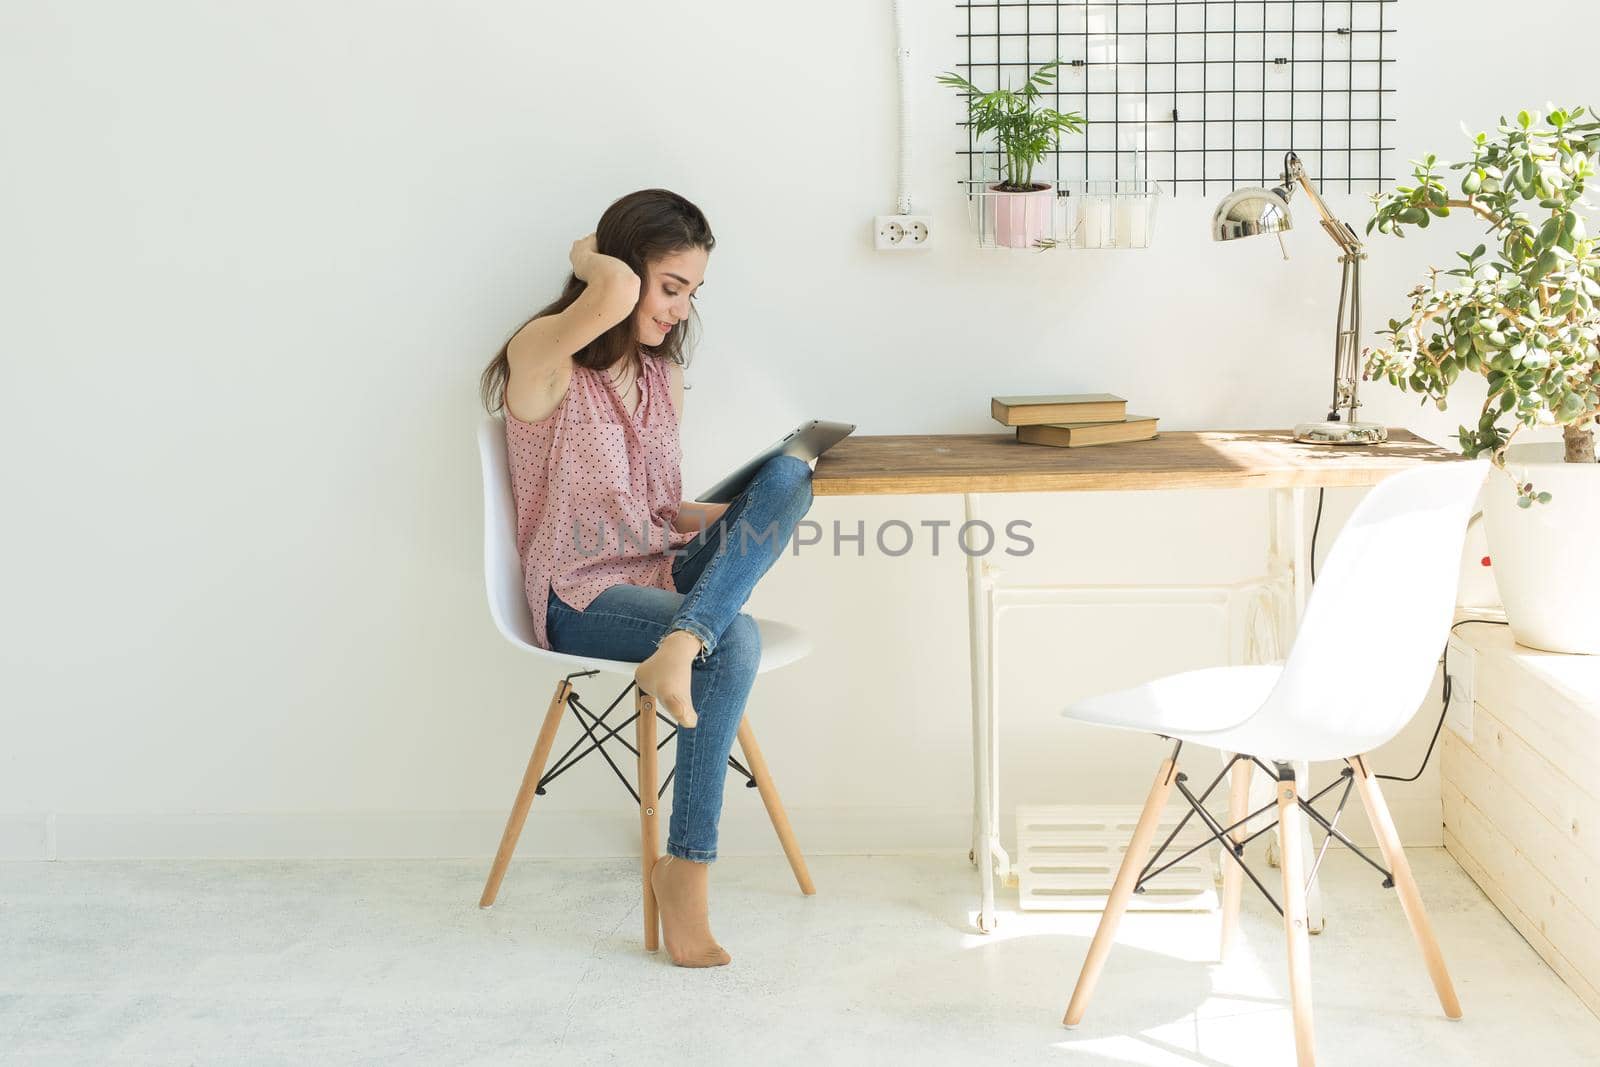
(1096, 222)
(1127, 208)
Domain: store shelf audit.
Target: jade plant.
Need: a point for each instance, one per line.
(1523, 307)
(1023, 131)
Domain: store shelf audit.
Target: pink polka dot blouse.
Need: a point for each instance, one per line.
(597, 489)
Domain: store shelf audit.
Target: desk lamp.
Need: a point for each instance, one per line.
(1247, 212)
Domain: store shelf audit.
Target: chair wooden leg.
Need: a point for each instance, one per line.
(525, 794)
(649, 845)
(1410, 899)
(769, 797)
(1127, 876)
(1291, 846)
(1232, 876)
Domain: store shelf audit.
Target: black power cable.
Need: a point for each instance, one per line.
(1444, 659)
(1439, 726)
(1315, 526)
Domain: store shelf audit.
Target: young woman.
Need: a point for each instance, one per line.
(616, 566)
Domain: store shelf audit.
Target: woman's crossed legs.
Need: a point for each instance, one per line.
(718, 647)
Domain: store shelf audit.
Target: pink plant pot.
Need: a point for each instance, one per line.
(1021, 219)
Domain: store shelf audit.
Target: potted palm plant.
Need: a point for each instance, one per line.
(1023, 133)
(1523, 310)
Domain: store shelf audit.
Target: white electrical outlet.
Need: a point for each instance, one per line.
(892, 233)
(1461, 661)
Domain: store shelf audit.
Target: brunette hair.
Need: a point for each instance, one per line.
(638, 229)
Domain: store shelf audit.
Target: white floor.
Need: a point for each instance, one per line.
(393, 963)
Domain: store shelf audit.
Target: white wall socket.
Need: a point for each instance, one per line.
(1462, 662)
(891, 233)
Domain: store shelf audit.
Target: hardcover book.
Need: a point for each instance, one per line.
(1077, 434)
(1058, 408)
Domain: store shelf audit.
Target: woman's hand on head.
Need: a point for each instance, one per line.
(582, 250)
(590, 266)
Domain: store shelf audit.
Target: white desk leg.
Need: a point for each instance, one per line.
(1279, 560)
(1302, 556)
(1315, 920)
(982, 730)
(1000, 859)
(977, 619)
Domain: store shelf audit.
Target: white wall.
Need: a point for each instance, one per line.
(253, 263)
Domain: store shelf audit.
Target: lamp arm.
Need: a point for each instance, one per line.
(1346, 238)
(1347, 331)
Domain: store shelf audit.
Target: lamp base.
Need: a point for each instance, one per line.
(1341, 433)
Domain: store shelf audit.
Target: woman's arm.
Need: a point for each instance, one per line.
(540, 355)
(693, 516)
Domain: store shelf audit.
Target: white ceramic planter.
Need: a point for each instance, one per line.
(1546, 558)
(1020, 219)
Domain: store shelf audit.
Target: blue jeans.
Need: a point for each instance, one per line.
(714, 577)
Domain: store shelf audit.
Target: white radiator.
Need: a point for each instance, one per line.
(1068, 855)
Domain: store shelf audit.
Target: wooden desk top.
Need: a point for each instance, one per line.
(1205, 459)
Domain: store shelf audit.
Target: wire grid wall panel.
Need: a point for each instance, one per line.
(1195, 94)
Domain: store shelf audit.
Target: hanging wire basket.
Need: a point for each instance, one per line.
(1096, 214)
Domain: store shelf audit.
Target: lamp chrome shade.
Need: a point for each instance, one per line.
(1247, 212)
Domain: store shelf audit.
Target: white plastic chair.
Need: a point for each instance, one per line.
(1361, 664)
(781, 644)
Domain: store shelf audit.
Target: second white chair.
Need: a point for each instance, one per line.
(1361, 664)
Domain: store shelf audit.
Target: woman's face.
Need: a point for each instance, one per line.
(664, 297)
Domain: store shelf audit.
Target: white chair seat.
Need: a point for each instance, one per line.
(1365, 650)
(1213, 706)
(781, 645)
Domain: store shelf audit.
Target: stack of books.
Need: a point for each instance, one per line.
(1071, 420)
